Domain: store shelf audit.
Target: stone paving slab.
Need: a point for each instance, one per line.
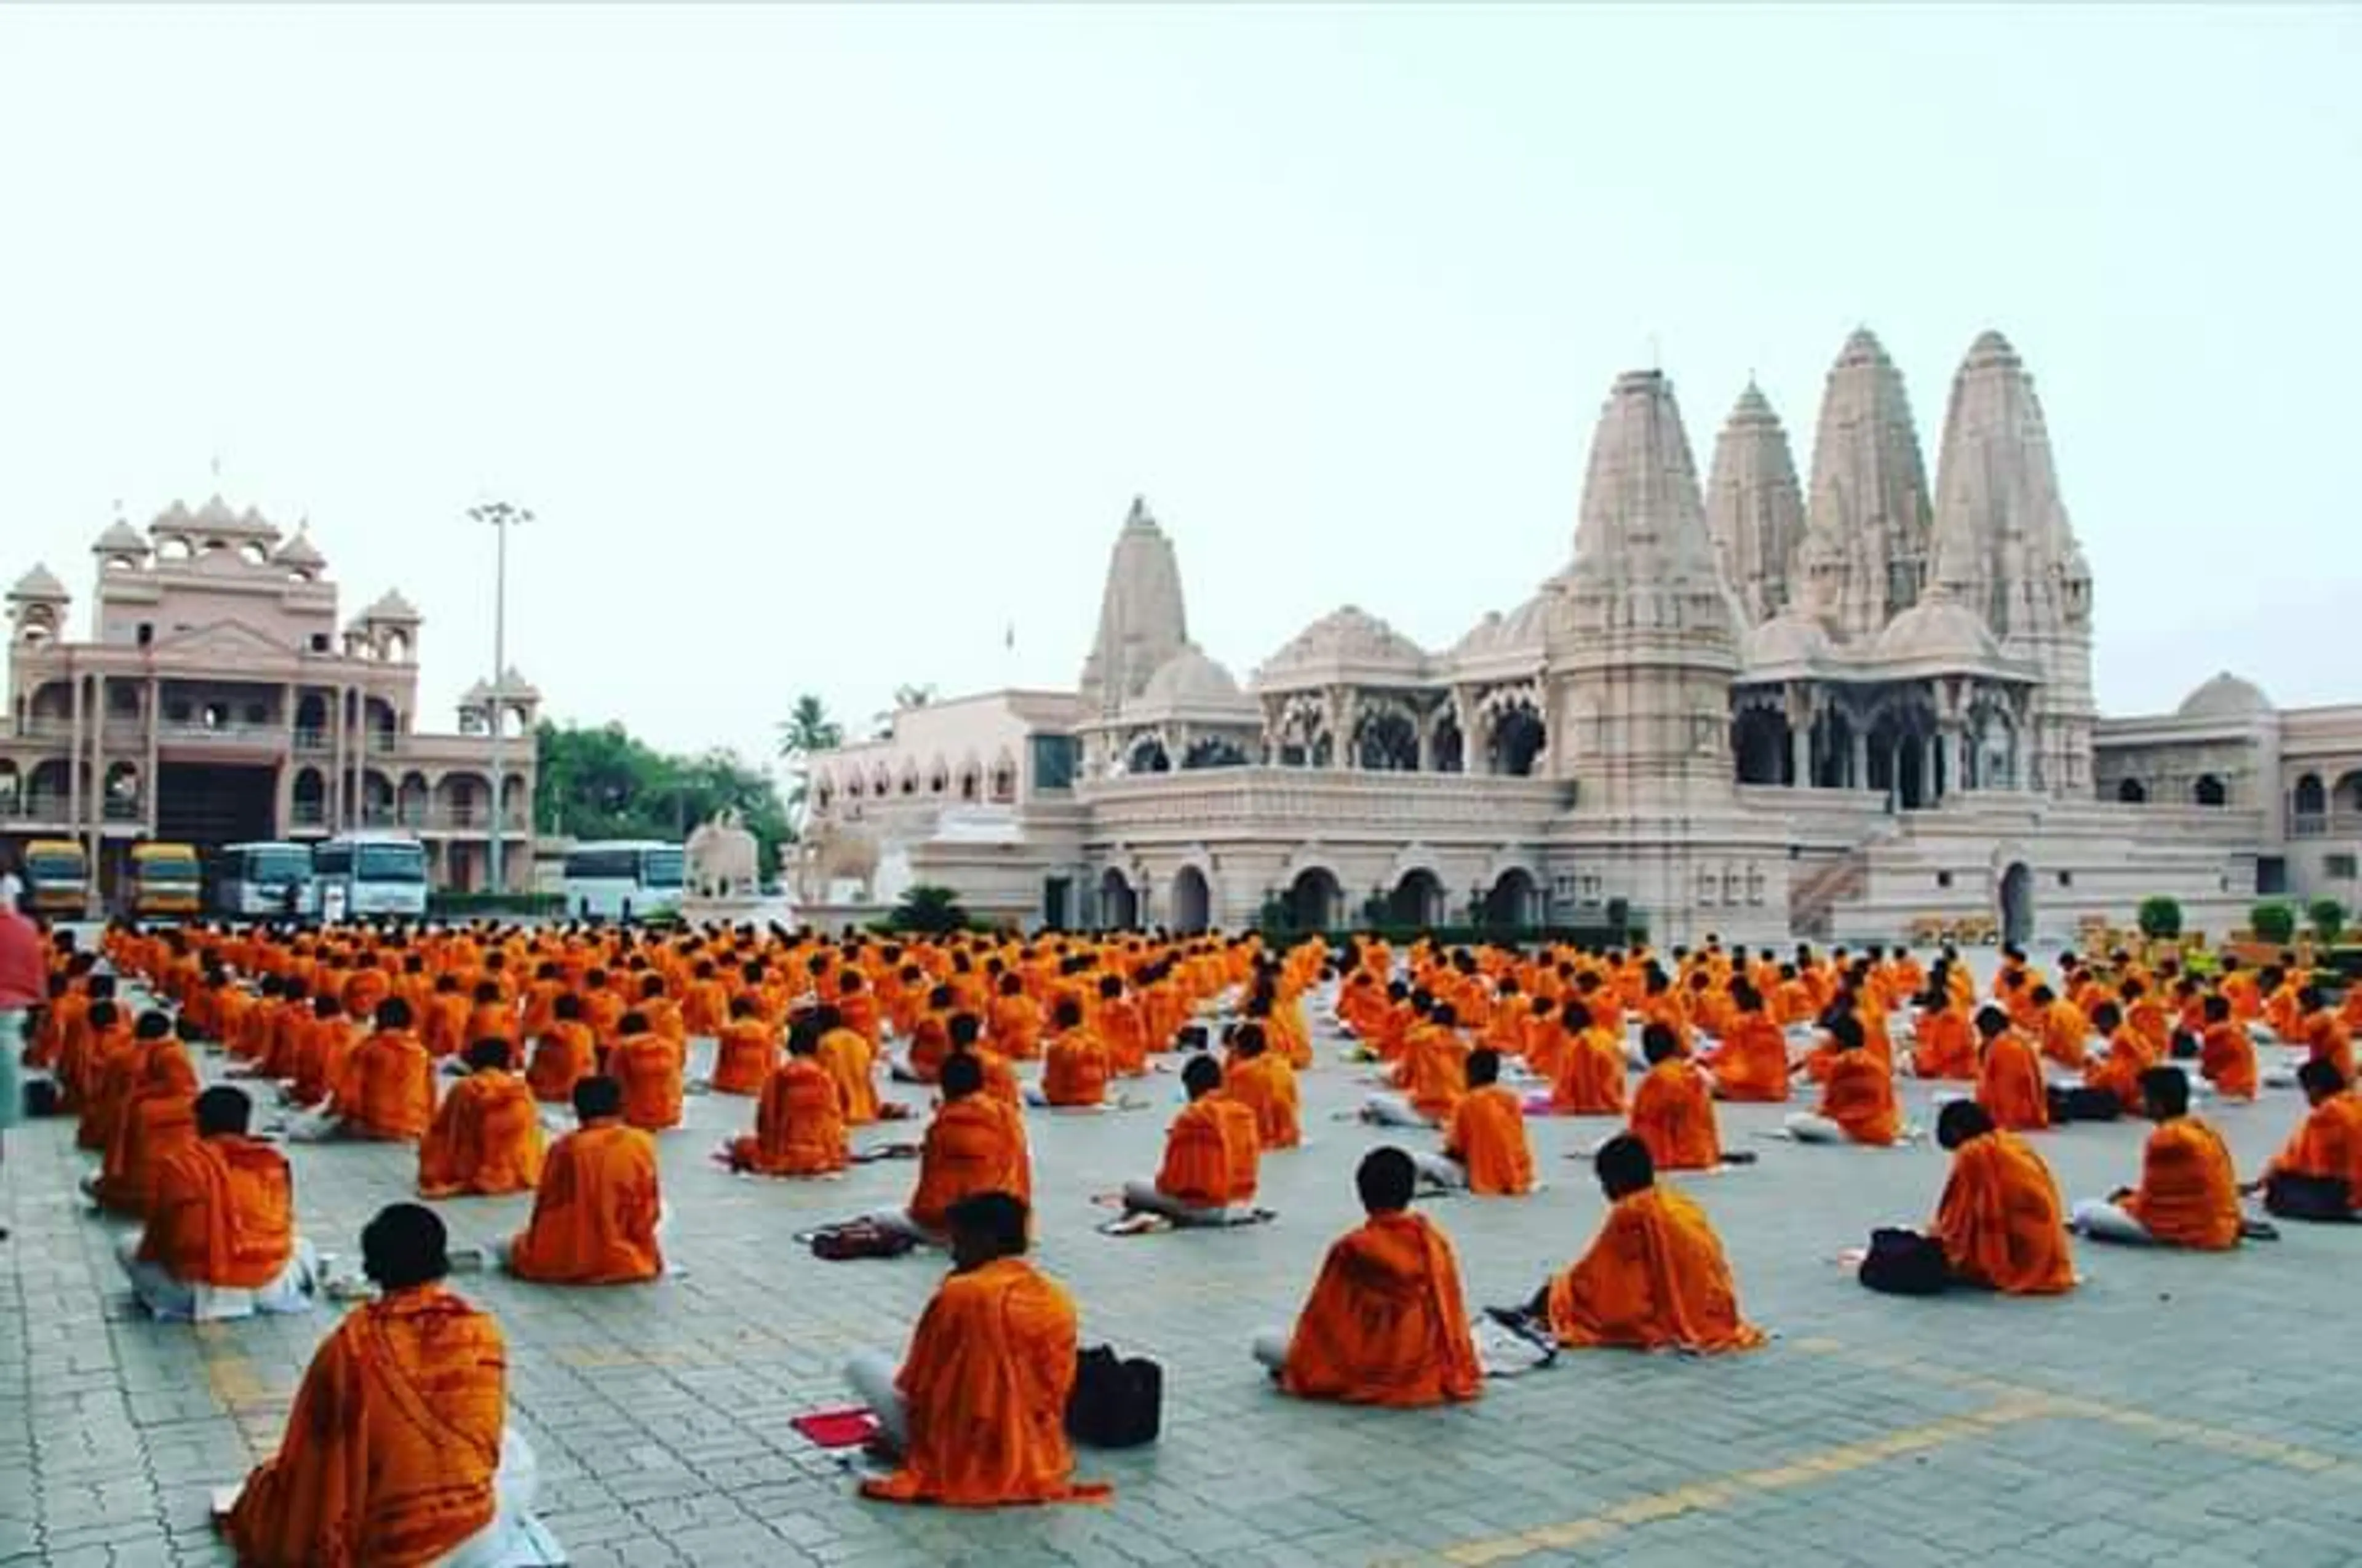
(2176, 1410)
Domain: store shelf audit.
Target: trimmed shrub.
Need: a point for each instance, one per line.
(2160, 917)
(2273, 920)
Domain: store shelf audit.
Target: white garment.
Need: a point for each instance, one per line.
(170, 1300)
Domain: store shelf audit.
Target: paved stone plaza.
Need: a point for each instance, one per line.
(2176, 1408)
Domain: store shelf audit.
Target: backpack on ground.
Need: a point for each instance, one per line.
(1116, 1402)
(2293, 1195)
(1904, 1263)
(859, 1239)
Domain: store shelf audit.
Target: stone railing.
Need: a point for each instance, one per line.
(2325, 824)
(1318, 800)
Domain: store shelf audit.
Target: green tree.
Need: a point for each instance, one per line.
(806, 729)
(2327, 918)
(927, 909)
(2160, 916)
(601, 781)
(2274, 921)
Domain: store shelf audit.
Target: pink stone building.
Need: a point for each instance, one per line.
(217, 696)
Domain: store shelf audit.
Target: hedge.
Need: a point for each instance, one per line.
(451, 903)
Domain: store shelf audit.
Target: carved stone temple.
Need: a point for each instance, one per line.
(1756, 706)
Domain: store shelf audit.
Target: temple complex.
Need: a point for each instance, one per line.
(1754, 707)
(215, 696)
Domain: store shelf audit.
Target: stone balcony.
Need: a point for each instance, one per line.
(1319, 803)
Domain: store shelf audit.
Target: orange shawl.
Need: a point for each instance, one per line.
(799, 1126)
(594, 1217)
(1385, 1323)
(1653, 1278)
(1487, 1134)
(485, 1138)
(2000, 1219)
(2188, 1194)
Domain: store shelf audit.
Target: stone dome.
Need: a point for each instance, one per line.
(120, 539)
(1189, 676)
(1791, 637)
(1939, 628)
(392, 606)
(2224, 696)
(1347, 637)
(39, 586)
(1522, 630)
(300, 553)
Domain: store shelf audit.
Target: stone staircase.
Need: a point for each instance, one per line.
(1813, 896)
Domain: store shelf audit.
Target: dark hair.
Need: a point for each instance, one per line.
(1483, 1067)
(1623, 1165)
(964, 1028)
(223, 1108)
(491, 1050)
(597, 1097)
(405, 1245)
(998, 1216)
(1201, 1075)
(1961, 1121)
(2320, 1075)
(1385, 1179)
(1658, 1043)
(2165, 1089)
(962, 1074)
(393, 1013)
(153, 1025)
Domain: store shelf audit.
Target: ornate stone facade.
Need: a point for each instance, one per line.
(217, 698)
(1754, 709)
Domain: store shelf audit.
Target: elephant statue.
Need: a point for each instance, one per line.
(829, 855)
(724, 858)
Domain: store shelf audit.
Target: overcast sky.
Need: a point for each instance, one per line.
(827, 344)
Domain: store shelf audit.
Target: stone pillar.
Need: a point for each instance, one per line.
(73, 758)
(1341, 728)
(1956, 760)
(1928, 794)
(1427, 743)
(1858, 763)
(1799, 752)
(148, 781)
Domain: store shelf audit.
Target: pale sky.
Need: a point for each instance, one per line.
(828, 343)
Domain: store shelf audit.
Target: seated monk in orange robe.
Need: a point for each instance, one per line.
(1943, 1043)
(1262, 1080)
(2119, 1073)
(852, 1062)
(2000, 1220)
(976, 1413)
(2326, 1147)
(1122, 1024)
(563, 1055)
(1858, 1103)
(931, 1038)
(598, 1209)
(2226, 1053)
(1075, 1068)
(1672, 1109)
(444, 1026)
(2188, 1197)
(1653, 1278)
(2066, 1030)
(1385, 1323)
(1015, 1023)
(1212, 1154)
(799, 1121)
(397, 1449)
(2323, 1034)
(486, 1138)
(220, 1239)
(388, 1088)
(2010, 1085)
(1591, 1068)
(490, 1016)
(156, 1121)
(975, 1142)
(1484, 1147)
(1432, 1073)
(98, 1065)
(1751, 1063)
(744, 1051)
(648, 1069)
(322, 1044)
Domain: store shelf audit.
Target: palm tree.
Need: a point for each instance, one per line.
(805, 730)
(908, 695)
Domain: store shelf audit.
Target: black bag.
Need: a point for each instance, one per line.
(1904, 1263)
(858, 1238)
(1116, 1402)
(2084, 1104)
(40, 1097)
(1191, 1037)
(2294, 1196)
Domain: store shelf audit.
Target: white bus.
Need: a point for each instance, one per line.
(259, 880)
(358, 875)
(623, 878)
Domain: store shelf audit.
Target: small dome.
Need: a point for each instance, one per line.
(120, 539)
(1791, 637)
(392, 606)
(476, 696)
(1521, 631)
(1190, 676)
(2224, 696)
(1939, 628)
(39, 586)
(515, 685)
(1350, 635)
(301, 553)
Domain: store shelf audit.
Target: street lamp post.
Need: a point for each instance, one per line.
(503, 517)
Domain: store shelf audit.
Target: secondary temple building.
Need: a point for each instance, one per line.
(216, 697)
(1833, 704)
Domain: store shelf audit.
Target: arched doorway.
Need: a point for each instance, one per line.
(1512, 903)
(1386, 741)
(2017, 903)
(1759, 745)
(1118, 905)
(1148, 756)
(2210, 791)
(1314, 899)
(2131, 793)
(1518, 737)
(1417, 899)
(1193, 901)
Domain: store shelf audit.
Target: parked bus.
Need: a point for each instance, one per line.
(57, 878)
(264, 879)
(165, 880)
(623, 878)
(358, 875)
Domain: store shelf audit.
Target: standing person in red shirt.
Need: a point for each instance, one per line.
(23, 984)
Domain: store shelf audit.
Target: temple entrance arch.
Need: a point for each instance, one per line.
(1510, 906)
(1759, 745)
(1518, 736)
(1119, 904)
(1417, 900)
(2017, 903)
(1193, 901)
(1314, 899)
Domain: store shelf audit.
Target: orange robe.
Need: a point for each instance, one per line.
(392, 1445)
(1266, 1086)
(486, 1138)
(2188, 1194)
(974, 1145)
(2000, 1219)
(1946, 1046)
(930, 1041)
(2120, 1072)
(1015, 1027)
(2327, 1143)
(744, 1055)
(1385, 1323)
(2010, 1085)
(1673, 1113)
(1752, 1063)
(563, 1055)
(649, 1069)
(2226, 1058)
(1075, 1072)
(1859, 1097)
(1434, 1070)
(1487, 1134)
(157, 1120)
(1119, 1024)
(1653, 1278)
(848, 1058)
(987, 1380)
(594, 1215)
(2329, 1041)
(222, 1214)
(1201, 1166)
(388, 1088)
(799, 1124)
(1590, 1076)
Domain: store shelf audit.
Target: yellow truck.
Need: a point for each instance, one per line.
(167, 881)
(57, 878)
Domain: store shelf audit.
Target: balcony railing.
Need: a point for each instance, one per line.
(310, 740)
(266, 736)
(2339, 823)
(43, 806)
(1315, 796)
